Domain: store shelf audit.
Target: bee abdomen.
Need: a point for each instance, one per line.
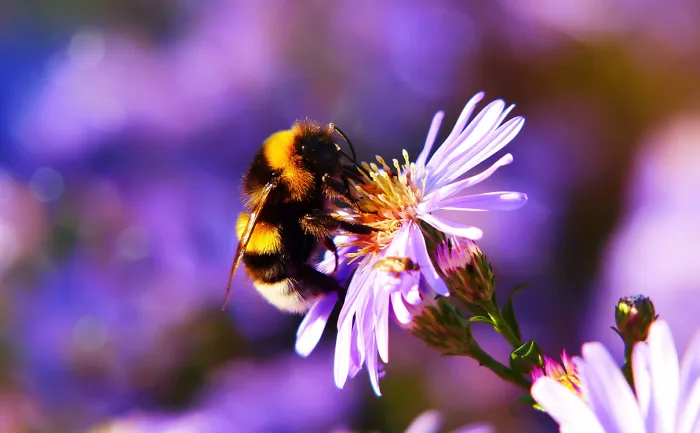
(265, 268)
(284, 295)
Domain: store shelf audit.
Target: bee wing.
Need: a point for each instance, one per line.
(247, 233)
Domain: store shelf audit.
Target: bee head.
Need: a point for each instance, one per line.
(317, 149)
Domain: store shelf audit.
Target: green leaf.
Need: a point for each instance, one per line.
(618, 333)
(523, 400)
(508, 312)
(476, 310)
(526, 357)
(482, 319)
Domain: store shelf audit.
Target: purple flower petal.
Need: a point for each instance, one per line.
(341, 366)
(565, 407)
(642, 377)
(355, 289)
(357, 354)
(381, 318)
(400, 311)
(464, 159)
(462, 120)
(411, 292)
(311, 328)
(503, 200)
(608, 393)
(505, 114)
(427, 422)
(430, 140)
(420, 253)
(664, 375)
(475, 428)
(689, 415)
(441, 164)
(452, 227)
(372, 365)
(364, 317)
(483, 124)
(453, 188)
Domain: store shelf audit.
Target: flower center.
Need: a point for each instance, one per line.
(567, 374)
(388, 198)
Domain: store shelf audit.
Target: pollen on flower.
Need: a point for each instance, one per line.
(565, 373)
(388, 198)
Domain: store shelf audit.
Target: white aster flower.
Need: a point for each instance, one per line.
(431, 422)
(665, 399)
(396, 202)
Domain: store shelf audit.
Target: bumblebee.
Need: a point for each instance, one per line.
(289, 187)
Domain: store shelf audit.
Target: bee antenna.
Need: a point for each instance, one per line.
(347, 140)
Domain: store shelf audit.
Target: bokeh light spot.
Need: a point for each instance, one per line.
(133, 244)
(46, 184)
(87, 49)
(89, 334)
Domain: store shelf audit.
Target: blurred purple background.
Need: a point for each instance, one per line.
(125, 128)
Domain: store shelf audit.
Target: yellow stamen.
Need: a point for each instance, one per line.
(388, 198)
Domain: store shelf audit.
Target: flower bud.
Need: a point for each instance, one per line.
(466, 271)
(633, 316)
(443, 328)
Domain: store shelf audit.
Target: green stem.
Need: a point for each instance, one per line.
(500, 323)
(501, 370)
(627, 367)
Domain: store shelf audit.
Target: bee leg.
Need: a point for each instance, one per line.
(330, 246)
(355, 228)
(321, 224)
(340, 190)
(316, 282)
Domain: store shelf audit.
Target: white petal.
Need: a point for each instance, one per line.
(501, 137)
(341, 365)
(565, 407)
(475, 428)
(356, 289)
(430, 140)
(427, 422)
(689, 416)
(452, 227)
(505, 114)
(482, 126)
(356, 354)
(455, 187)
(400, 311)
(364, 316)
(411, 293)
(465, 159)
(503, 200)
(420, 253)
(381, 318)
(608, 393)
(690, 368)
(664, 375)
(399, 245)
(372, 365)
(458, 128)
(311, 328)
(642, 377)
